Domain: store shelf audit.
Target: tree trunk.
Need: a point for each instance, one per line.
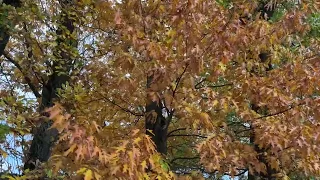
(44, 138)
(270, 172)
(4, 31)
(156, 123)
(156, 126)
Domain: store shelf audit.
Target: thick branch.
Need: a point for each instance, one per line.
(26, 78)
(179, 129)
(45, 137)
(14, 3)
(4, 31)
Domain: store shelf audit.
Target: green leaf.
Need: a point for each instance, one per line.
(4, 130)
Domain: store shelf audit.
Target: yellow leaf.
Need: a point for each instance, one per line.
(223, 67)
(121, 148)
(96, 126)
(115, 169)
(78, 97)
(204, 116)
(88, 175)
(71, 149)
(86, 2)
(125, 168)
(285, 177)
(97, 176)
(135, 132)
(144, 165)
(57, 166)
(188, 109)
(215, 103)
(81, 170)
(4, 154)
(274, 163)
(137, 140)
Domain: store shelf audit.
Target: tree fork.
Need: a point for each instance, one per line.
(155, 123)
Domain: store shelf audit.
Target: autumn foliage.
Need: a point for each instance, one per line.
(188, 89)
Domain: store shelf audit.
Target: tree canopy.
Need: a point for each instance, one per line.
(180, 89)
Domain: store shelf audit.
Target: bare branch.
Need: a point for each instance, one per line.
(200, 82)
(239, 174)
(280, 112)
(120, 107)
(198, 85)
(30, 53)
(196, 135)
(242, 131)
(179, 129)
(184, 158)
(178, 80)
(174, 91)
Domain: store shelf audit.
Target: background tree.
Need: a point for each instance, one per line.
(164, 89)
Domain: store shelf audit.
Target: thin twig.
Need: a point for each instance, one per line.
(178, 80)
(195, 135)
(280, 112)
(122, 108)
(184, 158)
(198, 85)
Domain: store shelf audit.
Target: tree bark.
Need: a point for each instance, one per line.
(270, 172)
(4, 31)
(156, 123)
(44, 136)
